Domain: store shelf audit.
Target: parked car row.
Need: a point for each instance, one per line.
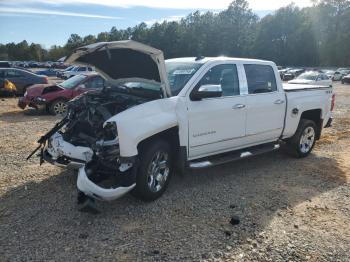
(73, 71)
(35, 64)
(289, 73)
(312, 78)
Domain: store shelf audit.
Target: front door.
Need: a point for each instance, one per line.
(217, 124)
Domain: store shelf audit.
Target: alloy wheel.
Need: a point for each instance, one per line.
(158, 171)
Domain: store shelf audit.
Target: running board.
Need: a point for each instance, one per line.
(232, 156)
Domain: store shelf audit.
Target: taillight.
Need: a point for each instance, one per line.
(333, 102)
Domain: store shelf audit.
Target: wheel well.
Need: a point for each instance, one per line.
(314, 115)
(57, 99)
(170, 135)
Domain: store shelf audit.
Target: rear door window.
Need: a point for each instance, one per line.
(260, 78)
(95, 83)
(13, 74)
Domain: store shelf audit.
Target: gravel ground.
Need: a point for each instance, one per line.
(268, 208)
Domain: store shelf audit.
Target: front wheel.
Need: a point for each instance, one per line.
(59, 107)
(154, 170)
(303, 141)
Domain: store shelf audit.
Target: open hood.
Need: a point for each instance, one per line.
(121, 61)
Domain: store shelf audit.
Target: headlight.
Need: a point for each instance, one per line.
(110, 130)
(25, 94)
(40, 99)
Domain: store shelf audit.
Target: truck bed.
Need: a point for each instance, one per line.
(301, 98)
(301, 87)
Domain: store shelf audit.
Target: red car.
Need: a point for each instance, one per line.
(54, 98)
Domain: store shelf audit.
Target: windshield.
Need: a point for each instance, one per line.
(179, 73)
(308, 76)
(72, 82)
(69, 68)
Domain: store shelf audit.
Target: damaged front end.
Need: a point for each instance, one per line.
(85, 139)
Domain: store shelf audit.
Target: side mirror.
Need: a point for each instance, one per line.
(206, 91)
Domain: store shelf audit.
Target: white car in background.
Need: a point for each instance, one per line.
(77, 71)
(312, 78)
(338, 75)
(329, 73)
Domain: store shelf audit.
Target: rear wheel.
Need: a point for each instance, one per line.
(303, 141)
(58, 107)
(154, 171)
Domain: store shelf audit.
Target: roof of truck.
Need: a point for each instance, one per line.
(203, 60)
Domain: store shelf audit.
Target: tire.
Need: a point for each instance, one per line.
(152, 177)
(303, 141)
(58, 107)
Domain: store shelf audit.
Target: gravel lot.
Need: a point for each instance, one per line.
(288, 209)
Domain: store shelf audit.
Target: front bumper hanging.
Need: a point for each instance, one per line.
(93, 190)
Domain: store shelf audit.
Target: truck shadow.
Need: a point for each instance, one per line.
(194, 213)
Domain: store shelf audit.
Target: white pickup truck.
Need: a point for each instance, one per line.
(159, 116)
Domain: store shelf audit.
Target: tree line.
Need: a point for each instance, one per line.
(311, 36)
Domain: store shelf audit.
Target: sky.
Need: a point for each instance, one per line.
(51, 22)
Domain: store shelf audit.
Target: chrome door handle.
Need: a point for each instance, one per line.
(238, 106)
(279, 101)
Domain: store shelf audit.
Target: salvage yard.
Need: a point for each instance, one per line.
(267, 208)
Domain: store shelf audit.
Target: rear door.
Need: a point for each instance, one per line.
(217, 124)
(265, 104)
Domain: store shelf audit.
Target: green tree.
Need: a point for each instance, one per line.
(74, 42)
